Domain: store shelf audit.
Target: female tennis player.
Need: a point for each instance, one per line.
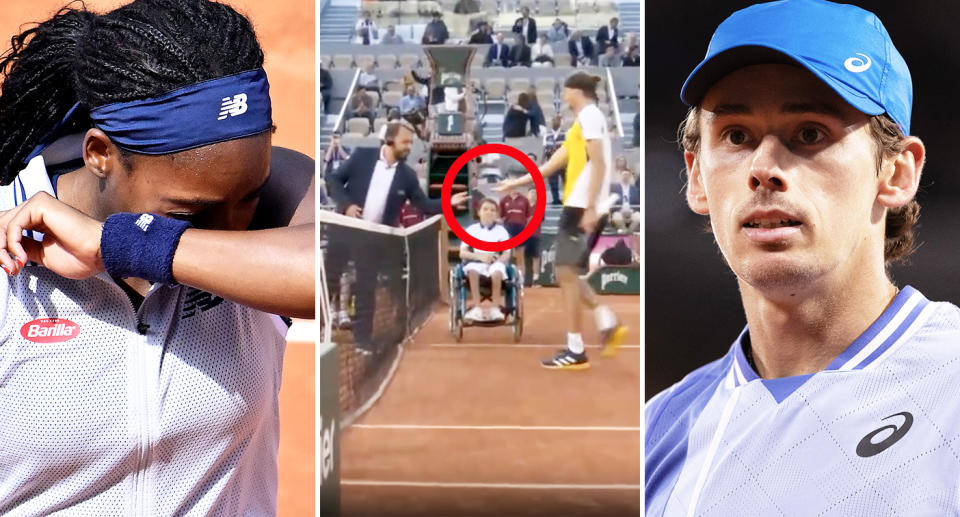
(140, 141)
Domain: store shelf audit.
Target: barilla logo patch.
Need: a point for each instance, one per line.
(233, 107)
(616, 276)
(49, 330)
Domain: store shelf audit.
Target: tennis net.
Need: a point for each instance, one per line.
(382, 283)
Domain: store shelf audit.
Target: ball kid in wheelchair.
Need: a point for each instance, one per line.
(486, 276)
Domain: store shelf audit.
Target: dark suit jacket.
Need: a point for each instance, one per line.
(350, 183)
(520, 55)
(587, 49)
(634, 199)
(531, 34)
(604, 37)
(503, 56)
(515, 123)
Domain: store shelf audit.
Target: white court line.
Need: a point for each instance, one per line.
(519, 345)
(497, 427)
(527, 486)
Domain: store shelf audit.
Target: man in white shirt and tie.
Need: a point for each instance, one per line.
(373, 185)
(366, 30)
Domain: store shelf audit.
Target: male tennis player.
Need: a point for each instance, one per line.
(587, 154)
(838, 396)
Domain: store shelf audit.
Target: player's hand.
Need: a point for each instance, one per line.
(459, 199)
(71, 239)
(353, 211)
(589, 220)
(505, 186)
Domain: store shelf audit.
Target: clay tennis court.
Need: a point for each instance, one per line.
(479, 428)
(285, 30)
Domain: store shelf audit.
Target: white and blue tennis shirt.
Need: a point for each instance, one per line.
(875, 434)
(108, 410)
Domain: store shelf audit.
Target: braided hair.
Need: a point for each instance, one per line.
(140, 50)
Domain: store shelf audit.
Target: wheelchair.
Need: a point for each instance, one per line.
(512, 291)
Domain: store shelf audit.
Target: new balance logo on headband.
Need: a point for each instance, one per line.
(233, 107)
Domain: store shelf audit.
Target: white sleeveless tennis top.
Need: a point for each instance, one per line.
(106, 410)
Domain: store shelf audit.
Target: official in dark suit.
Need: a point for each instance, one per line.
(581, 49)
(499, 53)
(526, 22)
(373, 185)
(609, 35)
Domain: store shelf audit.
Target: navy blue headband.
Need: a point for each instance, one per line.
(193, 116)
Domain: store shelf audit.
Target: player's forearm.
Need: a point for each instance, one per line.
(270, 270)
(554, 164)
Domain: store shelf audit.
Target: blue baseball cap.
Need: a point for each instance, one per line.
(845, 46)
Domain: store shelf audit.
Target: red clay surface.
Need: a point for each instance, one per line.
(489, 381)
(285, 30)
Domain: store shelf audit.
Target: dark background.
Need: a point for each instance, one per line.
(693, 309)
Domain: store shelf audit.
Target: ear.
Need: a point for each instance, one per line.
(100, 154)
(900, 177)
(696, 190)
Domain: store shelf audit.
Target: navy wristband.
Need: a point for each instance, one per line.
(141, 246)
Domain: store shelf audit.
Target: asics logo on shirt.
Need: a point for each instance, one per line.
(233, 107)
(867, 447)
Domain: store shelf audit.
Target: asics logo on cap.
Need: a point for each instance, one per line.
(233, 107)
(143, 222)
(857, 65)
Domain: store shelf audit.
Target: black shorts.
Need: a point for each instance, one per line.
(573, 245)
(532, 246)
(514, 229)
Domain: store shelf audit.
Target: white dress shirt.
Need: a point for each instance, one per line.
(376, 201)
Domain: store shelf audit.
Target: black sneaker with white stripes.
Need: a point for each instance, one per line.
(566, 360)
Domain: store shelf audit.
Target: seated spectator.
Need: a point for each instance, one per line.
(392, 116)
(520, 52)
(361, 105)
(466, 7)
(537, 121)
(336, 154)
(622, 214)
(413, 108)
(498, 54)
(479, 263)
(558, 31)
(629, 40)
(517, 117)
(617, 255)
(369, 80)
(581, 49)
(609, 57)
(366, 30)
(609, 35)
(483, 35)
(436, 31)
(326, 86)
(526, 26)
(391, 37)
(542, 52)
(633, 56)
(409, 215)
